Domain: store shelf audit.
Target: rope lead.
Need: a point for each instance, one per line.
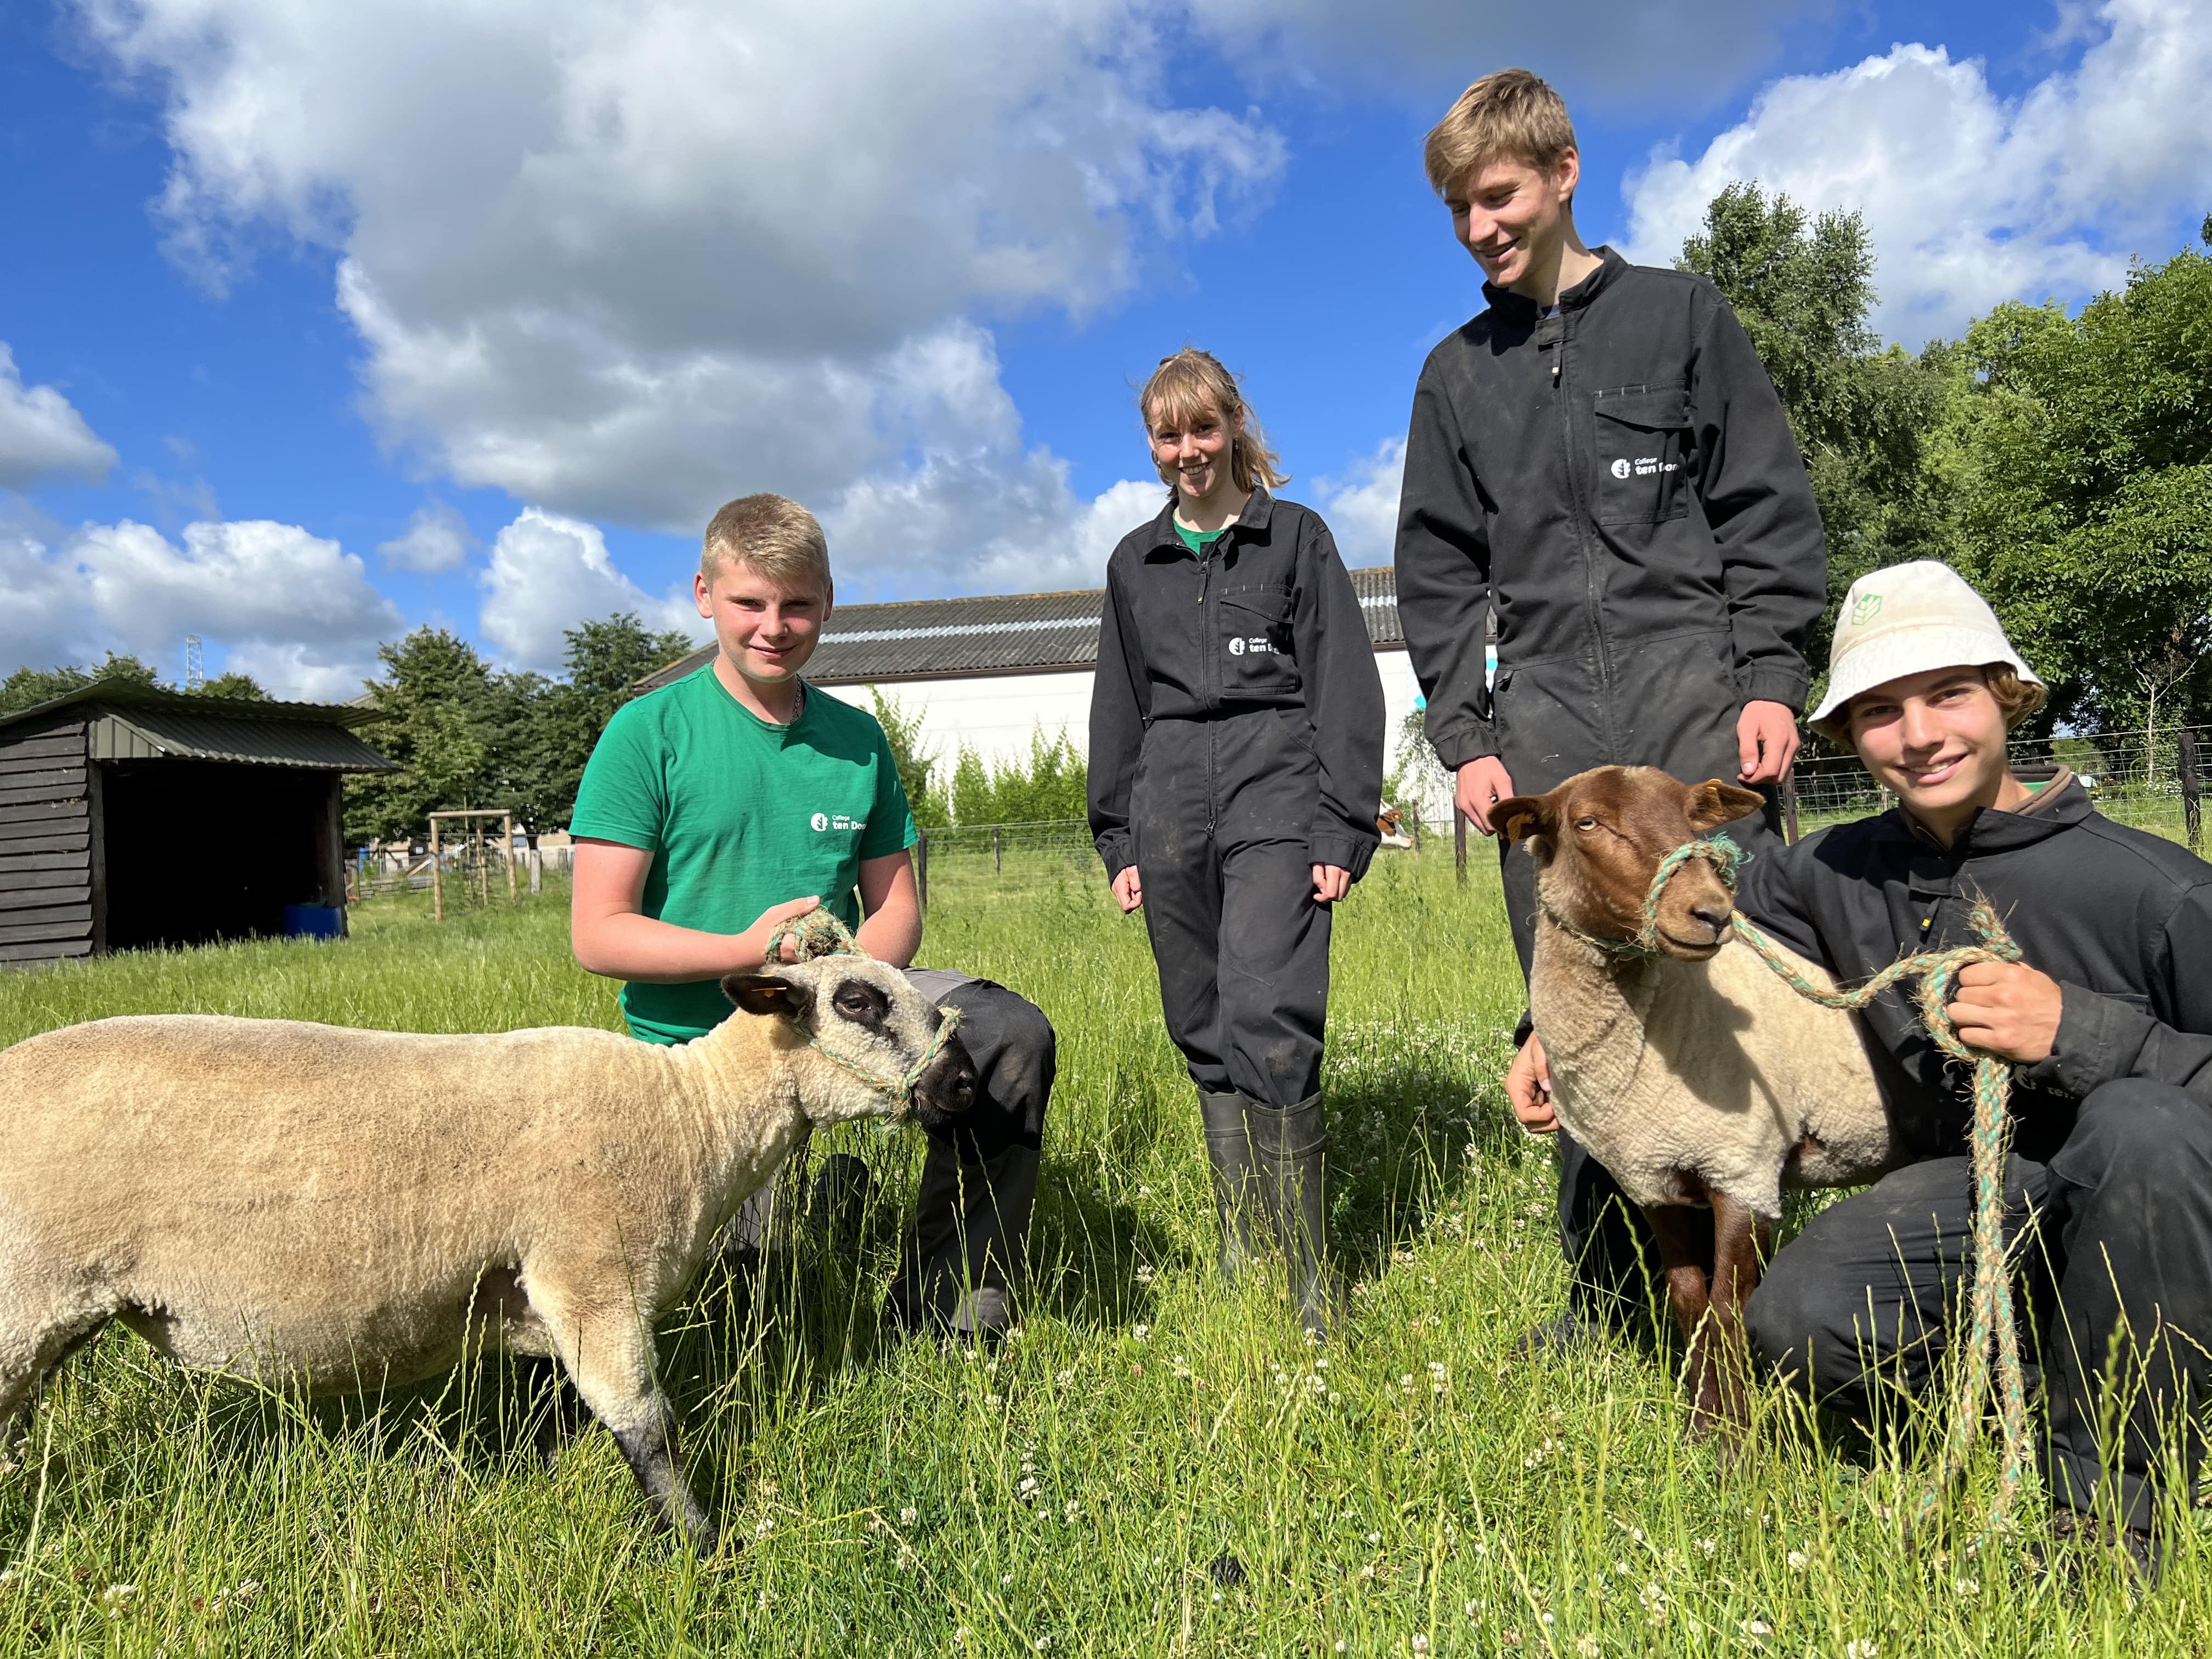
(1990, 1297)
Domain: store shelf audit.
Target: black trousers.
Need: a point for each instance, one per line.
(1219, 812)
(2116, 1273)
(979, 1182)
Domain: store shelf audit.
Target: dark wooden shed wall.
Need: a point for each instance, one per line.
(48, 898)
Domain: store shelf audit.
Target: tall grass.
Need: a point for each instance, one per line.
(1415, 1488)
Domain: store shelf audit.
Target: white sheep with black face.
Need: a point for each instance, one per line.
(348, 1210)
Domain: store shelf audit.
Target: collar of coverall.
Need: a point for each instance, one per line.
(1520, 308)
(1254, 517)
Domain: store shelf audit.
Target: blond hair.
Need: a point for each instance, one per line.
(2016, 697)
(1512, 115)
(1191, 383)
(772, 535)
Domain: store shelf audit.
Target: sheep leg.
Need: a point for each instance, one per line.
(607, 1349)
(1740, 1238)
(1684, 1233)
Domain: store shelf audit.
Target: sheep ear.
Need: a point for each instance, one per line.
(1520, 817)
(765, 993)
(1713, 804)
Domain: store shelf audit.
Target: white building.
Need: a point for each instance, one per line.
(991, 673)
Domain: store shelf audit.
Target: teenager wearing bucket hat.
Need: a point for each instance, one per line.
(2107, 1019)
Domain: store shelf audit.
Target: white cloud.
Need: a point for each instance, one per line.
(627, 263)
(437, 538)
(294, 609)
(546, 575)
(1676, 51)
(41, 434)
(1972, 198)
(1362, 506)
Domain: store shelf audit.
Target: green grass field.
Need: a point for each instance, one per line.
(1413, 1489)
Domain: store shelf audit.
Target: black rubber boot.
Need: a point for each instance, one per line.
(1247, 1231)
(1290, 1150)
(970, 1234)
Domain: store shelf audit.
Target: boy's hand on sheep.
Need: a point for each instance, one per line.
(2006, 1009)
(1529, 1086)
(753, 942)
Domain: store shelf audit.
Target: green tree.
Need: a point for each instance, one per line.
(604, 660)
(437, 699)
(902, 731)
(27, 687)
(1804, 291)
(2080, 462)
(233, 683)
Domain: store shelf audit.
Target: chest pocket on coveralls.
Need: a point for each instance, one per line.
(1642, 443)
(1253, 630)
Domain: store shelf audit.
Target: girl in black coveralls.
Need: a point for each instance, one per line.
(1236, 771)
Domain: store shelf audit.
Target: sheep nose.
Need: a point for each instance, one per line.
(1714, 914)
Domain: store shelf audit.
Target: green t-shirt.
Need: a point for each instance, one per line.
(1198, 541)
(738, 815)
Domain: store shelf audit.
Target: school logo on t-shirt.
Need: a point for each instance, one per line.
(822, 821)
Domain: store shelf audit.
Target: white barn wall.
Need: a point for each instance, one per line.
(997, 714)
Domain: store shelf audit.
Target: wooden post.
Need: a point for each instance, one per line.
(998, 862)
(1414, 818)
(2192, 790)
(536, 859)
(1789, 805)
(1459, 845)
(437, 882)
(507, 852)
(921, 868)
(482, 837)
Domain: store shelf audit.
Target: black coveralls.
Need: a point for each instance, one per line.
(2111, 1164)
(1618, 484)
(1236, 742)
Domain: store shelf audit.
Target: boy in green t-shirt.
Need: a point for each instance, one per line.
(717, 808)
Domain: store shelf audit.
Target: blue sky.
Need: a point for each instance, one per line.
(324, 322)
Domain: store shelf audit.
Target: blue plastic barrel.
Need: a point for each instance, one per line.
(314, 921)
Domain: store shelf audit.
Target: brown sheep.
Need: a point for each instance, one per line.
(1696, 1076)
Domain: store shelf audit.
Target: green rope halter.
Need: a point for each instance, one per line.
(1991, 1297)
(820, 933)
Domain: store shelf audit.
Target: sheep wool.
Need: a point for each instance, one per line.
(1716, 1070)
(348, 1210)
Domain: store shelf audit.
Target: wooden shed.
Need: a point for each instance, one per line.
(132, 816)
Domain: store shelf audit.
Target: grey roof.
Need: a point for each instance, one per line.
(130, 721)
(129, 694)
(1009, 633)
(153, 734)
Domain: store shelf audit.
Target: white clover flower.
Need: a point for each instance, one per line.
(1028, 1487)
(1182, 1369)
(1798, 1560)
(764, 1526)
(1586, 1646)
(1145, 1273)
(908, 1514)
(1757, 1627)
(1420, 1643)
(1140, 1332)
(1864, 1648)
(993, 1400)
(1065, 1377)
(1709, 1546)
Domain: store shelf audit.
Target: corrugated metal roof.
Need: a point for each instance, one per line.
(1010, 634)
(153, 734)
(128, 693)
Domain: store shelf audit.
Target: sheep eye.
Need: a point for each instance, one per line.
(1585, 824)
(857, 1007)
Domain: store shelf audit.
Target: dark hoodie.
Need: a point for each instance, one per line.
(2121, 918)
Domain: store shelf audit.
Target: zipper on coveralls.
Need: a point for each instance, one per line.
(1210, 658)
(1578, 486)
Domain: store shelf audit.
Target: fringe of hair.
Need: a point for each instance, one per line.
(1191, 383)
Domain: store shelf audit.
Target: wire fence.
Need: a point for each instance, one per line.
(2152, 779)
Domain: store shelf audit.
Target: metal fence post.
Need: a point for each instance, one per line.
(921, 868)
(1789, 805)
(998, 862)
(1459, 845)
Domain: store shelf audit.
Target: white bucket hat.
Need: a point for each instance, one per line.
(1909, 619)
